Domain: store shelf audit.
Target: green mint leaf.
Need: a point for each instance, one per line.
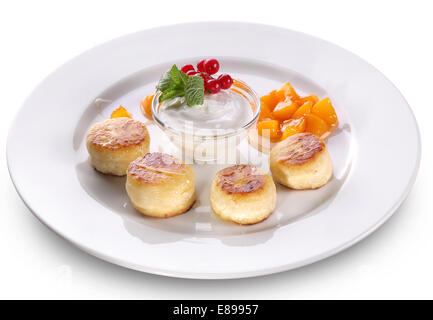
(165, 82)
(179, 78)
(184, 77)
(174, 82)
(194, 91)
(171, 93)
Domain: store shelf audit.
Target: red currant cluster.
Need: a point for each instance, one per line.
(205, 69)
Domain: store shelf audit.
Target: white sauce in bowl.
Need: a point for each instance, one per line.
(223, 110)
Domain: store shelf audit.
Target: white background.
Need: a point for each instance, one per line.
(395, 36)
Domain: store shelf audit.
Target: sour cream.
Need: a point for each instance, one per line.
(224, 110)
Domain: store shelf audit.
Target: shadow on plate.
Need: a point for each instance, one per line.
(199, 222)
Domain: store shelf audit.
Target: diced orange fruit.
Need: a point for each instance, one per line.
(316, 125)
(292, 127)
(325, 110)
(295, 123)
(269, 128)
(272, 99)
(265, 112)
(284, 110)
(303, 110)
(284, 113)
(313, 98)
(120, 112)
(288, 131)
(289, 91)
(146, 105)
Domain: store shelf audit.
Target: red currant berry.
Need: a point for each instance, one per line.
(187, 68)
(225, 81)
(211, 66)
(191, 73)
(213, 86)
(200, 66)
(205, 77)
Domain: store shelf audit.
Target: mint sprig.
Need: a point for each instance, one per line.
(165, 82)
(178, 77)
(194, 91)
(174, 83)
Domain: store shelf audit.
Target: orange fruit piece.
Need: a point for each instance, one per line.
(269, 128)
(289, 91)
(325, 110)
(120, 112)
(303, 110)
(316, 125)
(265, 112)
(285, 113)
(146, 105)
(272, 99)
(313, 98)
(292, 127)
(284, 110)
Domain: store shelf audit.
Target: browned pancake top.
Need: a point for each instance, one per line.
(156, 166)
(299, 148)
(117, 133)
(240, 179)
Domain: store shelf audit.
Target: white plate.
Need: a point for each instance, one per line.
(375, 152)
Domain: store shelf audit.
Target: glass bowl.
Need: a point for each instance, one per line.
(214, 144)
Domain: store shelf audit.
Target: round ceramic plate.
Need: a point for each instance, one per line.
(375, 161)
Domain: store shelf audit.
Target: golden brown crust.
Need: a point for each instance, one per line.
(155, 167)
(240, 179)
(299, 149)
(117, 133)
(172, 214)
